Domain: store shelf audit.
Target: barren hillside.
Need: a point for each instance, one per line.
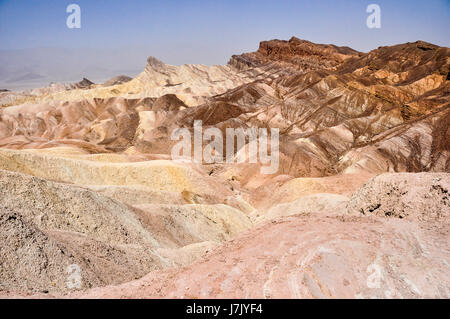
(358, 206)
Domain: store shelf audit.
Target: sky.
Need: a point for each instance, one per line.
(210, 31)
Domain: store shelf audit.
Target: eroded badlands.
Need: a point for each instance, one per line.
(359, 207)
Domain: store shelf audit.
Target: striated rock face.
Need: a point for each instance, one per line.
(295, 53)
(194, 84)
(338, 110)
(358, 207)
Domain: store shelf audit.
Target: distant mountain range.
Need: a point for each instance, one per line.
(31, 68)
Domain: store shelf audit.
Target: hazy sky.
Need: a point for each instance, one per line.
(197, 31)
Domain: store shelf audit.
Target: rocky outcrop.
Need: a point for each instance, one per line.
(298, 54)
(83, 84)
(421, 197)
(120, 79)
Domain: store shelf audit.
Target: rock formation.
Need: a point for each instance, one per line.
(358, 207)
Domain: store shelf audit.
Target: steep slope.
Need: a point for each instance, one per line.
(48, 226)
